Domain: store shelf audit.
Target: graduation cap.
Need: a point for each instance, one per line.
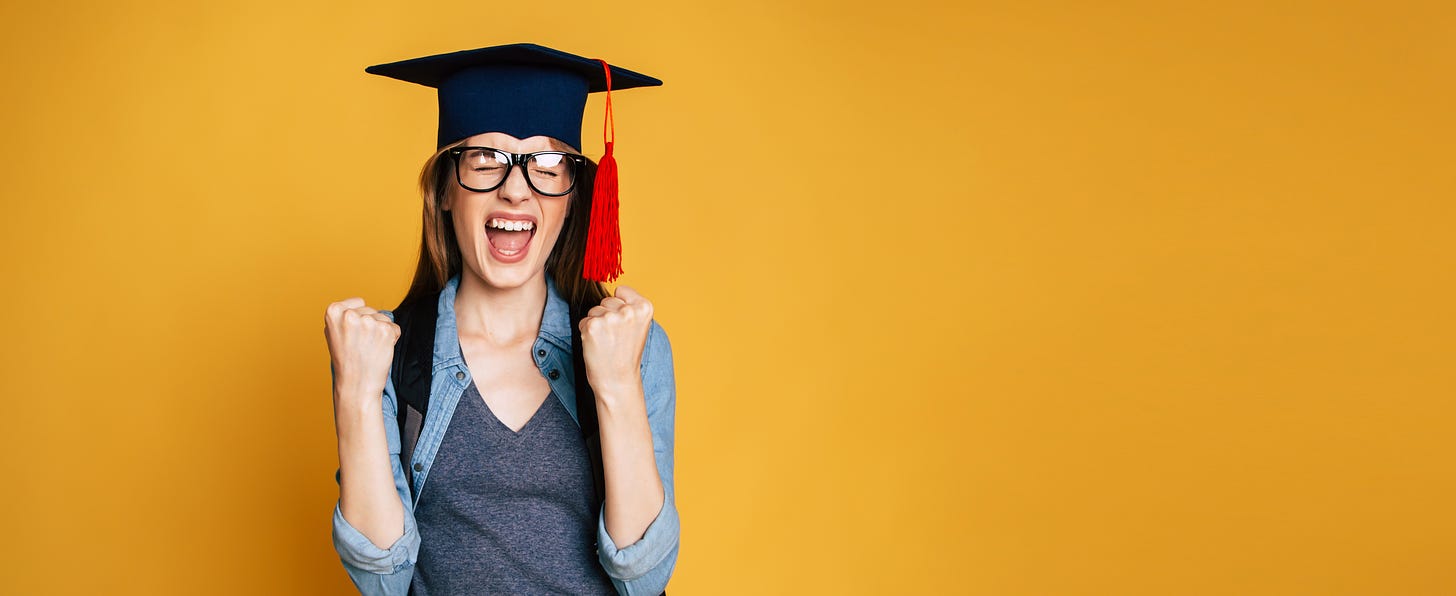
(525, 90)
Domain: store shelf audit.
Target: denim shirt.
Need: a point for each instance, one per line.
(643, 567)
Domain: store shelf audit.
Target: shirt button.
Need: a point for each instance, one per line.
(541, 353)
(554, 373)
(419, 467)
(460, 375)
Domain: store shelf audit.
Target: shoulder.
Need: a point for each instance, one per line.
(657, 349)
(657, 367)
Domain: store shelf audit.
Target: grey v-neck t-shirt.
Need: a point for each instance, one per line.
(509, 512)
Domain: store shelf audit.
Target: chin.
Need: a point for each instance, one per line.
(508, 275)
(515, 275)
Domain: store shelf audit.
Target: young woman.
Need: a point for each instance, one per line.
(501, 498)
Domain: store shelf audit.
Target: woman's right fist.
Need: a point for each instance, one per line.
(361, 347)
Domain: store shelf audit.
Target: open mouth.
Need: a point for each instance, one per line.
(509, 238)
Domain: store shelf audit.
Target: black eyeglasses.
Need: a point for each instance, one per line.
(483, 169)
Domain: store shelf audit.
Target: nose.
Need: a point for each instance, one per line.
(516, 189)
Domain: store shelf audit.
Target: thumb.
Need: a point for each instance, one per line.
(627, 293)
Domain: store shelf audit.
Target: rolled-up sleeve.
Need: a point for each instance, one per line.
(378, 571)
(644, 567)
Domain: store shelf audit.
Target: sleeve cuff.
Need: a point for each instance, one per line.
(358, 552)
(641, 556)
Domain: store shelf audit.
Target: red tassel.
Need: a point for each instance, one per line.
(603, 238)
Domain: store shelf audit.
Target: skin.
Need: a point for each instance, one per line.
(498, 308)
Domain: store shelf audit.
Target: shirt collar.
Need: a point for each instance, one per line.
(555, 322)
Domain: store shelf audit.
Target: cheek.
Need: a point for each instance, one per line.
(461, 222)
(556, 224)
(557, 217)
(462, 216)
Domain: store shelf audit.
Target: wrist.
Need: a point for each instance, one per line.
(617, 391)
(363, 397)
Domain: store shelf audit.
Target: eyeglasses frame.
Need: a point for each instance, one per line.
(521, 159)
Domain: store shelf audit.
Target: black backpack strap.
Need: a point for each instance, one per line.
(414, 358)
(586, 407)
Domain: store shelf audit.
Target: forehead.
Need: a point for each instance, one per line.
(503, 141)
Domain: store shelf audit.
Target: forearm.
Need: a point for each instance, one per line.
(367, 496)
(634, 493)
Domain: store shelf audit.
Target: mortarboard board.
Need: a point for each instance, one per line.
(525, 90)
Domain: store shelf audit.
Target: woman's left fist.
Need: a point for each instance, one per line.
(613, 335)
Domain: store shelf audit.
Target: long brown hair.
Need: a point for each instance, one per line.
(440, 252)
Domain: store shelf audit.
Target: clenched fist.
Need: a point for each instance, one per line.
(613, 334)
(361, 346)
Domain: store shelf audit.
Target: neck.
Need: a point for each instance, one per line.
(501, 316)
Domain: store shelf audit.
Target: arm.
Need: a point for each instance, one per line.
(373, 526)
(638, 527)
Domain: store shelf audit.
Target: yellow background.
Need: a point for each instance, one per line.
(1016, 298)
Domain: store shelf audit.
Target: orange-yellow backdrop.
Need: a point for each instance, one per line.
(1025, 298)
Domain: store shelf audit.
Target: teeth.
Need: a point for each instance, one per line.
(511, 225)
